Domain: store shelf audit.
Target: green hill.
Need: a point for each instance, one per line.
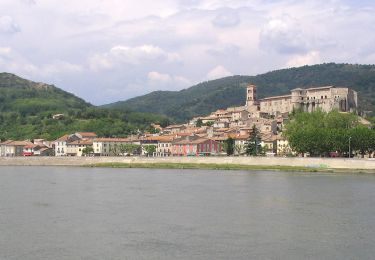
(207, 97)
(27, 109)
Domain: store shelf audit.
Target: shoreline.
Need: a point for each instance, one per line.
(212, 163)
(224, 167)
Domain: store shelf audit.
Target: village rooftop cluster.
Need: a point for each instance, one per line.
(202, 136)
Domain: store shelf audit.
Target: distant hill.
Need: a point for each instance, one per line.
(207, 97)
(27, 109)
(29, 98)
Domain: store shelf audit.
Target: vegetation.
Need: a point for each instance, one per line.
(207, 97)
(229, 146)
(253, 146)
(320, 134)
(214, 166)
(150, 149)
(27, 109)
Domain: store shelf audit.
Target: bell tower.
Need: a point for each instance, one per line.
(251, 95)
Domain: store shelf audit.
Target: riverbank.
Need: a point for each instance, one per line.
(220, 163)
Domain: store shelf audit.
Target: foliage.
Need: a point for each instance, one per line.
(150, 149)
(207, 97)
(253, 147)
(27, 109)
(88, 150)
(229, 146)
(320, 133)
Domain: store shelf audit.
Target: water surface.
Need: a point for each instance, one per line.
(81, 213)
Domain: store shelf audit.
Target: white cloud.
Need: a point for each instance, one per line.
(8, 25)
(218, 72)
(226, 18)
(109, 47)
(311, 58)
(137, 55)
(164, 81)
(283, 35)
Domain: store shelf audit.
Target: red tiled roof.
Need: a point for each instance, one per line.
(87, 134)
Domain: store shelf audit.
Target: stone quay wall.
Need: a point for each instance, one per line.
(321, 163)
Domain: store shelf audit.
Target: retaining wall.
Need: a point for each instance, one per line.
(333, 163)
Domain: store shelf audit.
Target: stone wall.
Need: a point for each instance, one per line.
(333, 163)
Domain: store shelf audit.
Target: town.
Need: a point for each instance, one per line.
(203, 136)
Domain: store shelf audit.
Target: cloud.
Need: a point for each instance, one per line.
(138, 55)
(218, 72)
(226, 18)
(116, 49)
(311, 58)
(8, 25)
(284, 36)
(164, 81)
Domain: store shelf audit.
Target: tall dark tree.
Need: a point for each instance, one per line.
(253, 146)
(229, 146)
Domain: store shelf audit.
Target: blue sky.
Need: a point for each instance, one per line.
(112, 50)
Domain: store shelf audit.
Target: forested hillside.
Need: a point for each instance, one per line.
(27, 109)
(230, 91)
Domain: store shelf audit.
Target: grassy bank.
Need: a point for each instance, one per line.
(210, 166)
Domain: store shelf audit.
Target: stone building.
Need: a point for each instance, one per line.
(325, 98)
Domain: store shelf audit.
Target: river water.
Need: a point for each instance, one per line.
(82, 213)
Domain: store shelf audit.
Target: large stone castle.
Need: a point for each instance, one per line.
(325, 98)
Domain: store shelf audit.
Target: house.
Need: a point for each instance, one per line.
(13, 148)
(195, 146)
(283, 147)
(114, 146)
(164, 146)
(3, 148)
(77, 147)
(41, 150)
(174, 129)
(28, 149)
(240, 142)
(61, 144)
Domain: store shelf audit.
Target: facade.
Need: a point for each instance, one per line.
(164, 146)
(325, 98)
(76, 148)
(111, 146)
(13, 148)
(195, 146)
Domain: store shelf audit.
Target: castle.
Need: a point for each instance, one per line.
(325, 98)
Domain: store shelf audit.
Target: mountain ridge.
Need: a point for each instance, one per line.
(209, 96)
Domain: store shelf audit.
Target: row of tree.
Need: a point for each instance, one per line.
(321, 134)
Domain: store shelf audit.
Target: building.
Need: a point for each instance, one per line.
(325, 98)
(114, 146)
(164, 146)
(76, 148)
(195, 146)
(13, 148)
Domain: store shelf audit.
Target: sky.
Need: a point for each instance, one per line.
(111, 50)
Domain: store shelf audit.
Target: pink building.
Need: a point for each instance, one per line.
(193, 146)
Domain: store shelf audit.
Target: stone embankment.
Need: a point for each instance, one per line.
(319, 163)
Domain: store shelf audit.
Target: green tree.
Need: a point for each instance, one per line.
(253, 146)
(88, 150)
(150, 149)
(229, 146)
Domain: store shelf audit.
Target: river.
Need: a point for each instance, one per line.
(99, 213)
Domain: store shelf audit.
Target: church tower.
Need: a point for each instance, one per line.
(251, 96)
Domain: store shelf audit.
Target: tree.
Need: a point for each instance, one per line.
(239, 149)
(253, 143)
(229, 146)
(362, 139)
(199, 123)
(87, 151)
(150, 149)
